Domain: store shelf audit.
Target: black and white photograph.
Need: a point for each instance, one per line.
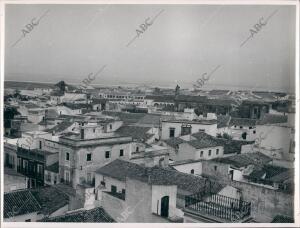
(149, 112)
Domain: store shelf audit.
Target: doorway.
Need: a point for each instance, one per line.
(164, 207)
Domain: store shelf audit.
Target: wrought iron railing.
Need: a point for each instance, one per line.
(219, 206)
(30, 173)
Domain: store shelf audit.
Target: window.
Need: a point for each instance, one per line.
(255, 111)
(201, 130)
(137, 149)
(254, 132)
(89, 178)
(40, 145)
(201, 154)
(94, 130)
(49, 177)
(250, 127)
(172, 132)
(67, 176)
(107, 154)
(215, 168)
(209, 153)
(89, 157)
(186, 129)
(123, 191)
(39, 169)
(110, 126)
(241, 127)
(19, 164)
(121, 153)
(217, 151)
(192, 171)
(81, 133)
(113, 189)
(25, 165)
(67, 156)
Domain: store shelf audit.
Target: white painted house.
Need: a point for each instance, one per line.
(176, 128)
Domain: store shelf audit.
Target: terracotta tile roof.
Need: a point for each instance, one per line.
(127, 118)
(98, 101)
(150, 120)
(284, 177)
(203, 140)
(162, 98)
(77, 106)
(53, 168)
(257, 174)
(94, 215)
(222, 121)
(136, 132)
(66, 189)
(282, 219)
(195, 121)
(233, 146)
(272, 119)
(204, 143)
(57, 93)
(254, 101)
(174, 142)
(50, 199)
(120, 169)
(273, 174)
(61, 126)
(188, 98)
(29, 105)
(220, 102)
(242, 122)
(19, 202)
(243, 160)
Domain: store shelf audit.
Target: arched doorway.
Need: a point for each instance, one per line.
(244, 135)
(164, 206)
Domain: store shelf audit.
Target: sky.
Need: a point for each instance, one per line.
(183, 43)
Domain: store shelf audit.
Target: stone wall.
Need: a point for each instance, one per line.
(266, 203)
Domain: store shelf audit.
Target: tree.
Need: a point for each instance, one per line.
(227, 136)
(61, 85)
(9, 114)
(17, 93)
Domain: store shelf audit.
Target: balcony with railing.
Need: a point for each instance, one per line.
(31, 173)
(218, 208)
(32, 154)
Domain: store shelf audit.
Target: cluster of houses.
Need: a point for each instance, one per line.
(73, 155)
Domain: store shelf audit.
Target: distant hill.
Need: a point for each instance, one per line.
(32, 85)
(27, 85)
